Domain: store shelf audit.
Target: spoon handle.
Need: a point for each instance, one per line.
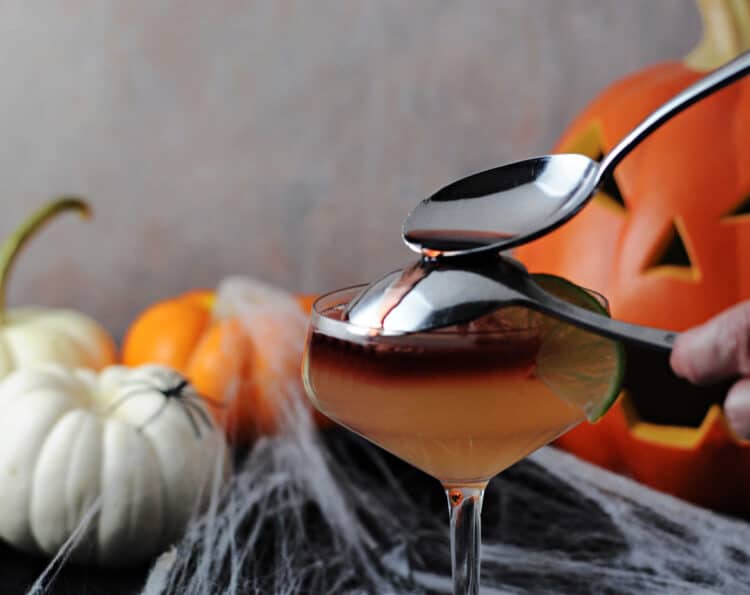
(721, 77)
(653, 338)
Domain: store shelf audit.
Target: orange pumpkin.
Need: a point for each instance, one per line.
(668, 242)
(239, 378)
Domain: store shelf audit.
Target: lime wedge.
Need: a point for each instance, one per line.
(583, 368)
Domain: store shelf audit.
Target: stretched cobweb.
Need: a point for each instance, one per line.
(311, 512)
(326, 512)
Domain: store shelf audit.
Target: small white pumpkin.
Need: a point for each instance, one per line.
(30, 336)
(137, 443)
(35, 335)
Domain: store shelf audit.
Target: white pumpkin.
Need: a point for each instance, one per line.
(36, 335)
(137, 444)
(30, 336)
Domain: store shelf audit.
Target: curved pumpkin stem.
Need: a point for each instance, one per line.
(16, 241)
(726, 33)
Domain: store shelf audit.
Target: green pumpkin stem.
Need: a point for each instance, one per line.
(17, 240)
(726, 33)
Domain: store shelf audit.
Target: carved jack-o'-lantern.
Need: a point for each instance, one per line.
(667, 240)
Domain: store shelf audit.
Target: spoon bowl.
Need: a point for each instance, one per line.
(461, 229)
(507, 206)
(432, 294)
(529, 197)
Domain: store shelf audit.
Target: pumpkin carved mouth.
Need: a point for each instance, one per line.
(657, 396)
(667, 240)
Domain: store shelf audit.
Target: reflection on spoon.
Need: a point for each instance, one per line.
(432, 294)
(510, 205)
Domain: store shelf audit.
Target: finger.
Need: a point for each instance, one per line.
(737, 408)
(717, 349)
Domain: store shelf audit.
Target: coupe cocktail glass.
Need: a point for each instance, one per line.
(461, 403)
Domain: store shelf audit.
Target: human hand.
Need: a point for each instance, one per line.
(717, 350)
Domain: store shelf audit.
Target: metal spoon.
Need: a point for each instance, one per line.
(496, 210)
(443, 292)
(510, 205)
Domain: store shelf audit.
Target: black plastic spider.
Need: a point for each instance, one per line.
(181, 393)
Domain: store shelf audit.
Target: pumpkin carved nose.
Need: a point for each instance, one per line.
(672, 254)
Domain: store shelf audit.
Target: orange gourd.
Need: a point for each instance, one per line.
(238, 378)
(668, 242)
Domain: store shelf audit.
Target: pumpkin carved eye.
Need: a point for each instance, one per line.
(591, 143)
(739, 211)
(610, 188)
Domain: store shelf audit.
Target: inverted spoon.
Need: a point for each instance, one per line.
(479, 216)
(510, 205)
(437, 293)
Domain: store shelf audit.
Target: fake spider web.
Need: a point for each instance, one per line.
(306, 513)
(312, 512)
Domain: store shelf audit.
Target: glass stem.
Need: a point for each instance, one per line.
(465, 506)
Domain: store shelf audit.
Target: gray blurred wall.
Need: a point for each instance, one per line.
(284, 140)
